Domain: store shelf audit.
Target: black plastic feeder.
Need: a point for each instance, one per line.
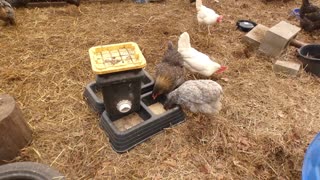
(128, 118)
(93, 94)
(119, 76)
(147, 122)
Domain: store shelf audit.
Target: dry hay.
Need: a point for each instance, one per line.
(262, 132)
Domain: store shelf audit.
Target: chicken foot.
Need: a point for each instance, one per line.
(209, 33)
(208, 26)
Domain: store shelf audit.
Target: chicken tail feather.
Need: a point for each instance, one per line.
(184, 41)
(198, 4)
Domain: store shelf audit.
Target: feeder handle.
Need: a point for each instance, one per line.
(296, 43)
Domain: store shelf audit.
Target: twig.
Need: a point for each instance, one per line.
(57, 157)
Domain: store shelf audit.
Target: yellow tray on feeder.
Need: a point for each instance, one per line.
(116, 57)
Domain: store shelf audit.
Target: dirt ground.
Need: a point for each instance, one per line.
(262, 131)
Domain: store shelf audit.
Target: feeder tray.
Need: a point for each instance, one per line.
(116, 58)
(128, 131)
(93, 95)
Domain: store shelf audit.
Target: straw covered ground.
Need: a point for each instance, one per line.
(262, 132)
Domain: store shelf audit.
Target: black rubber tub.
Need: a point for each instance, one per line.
(29, 171)
(309, 55)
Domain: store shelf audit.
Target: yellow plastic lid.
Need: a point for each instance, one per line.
(116, 57)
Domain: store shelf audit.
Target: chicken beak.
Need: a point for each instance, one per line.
(154, 96)
(222, 68)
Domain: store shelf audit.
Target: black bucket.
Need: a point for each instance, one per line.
(310, 57)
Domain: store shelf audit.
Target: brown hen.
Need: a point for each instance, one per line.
(169, 73)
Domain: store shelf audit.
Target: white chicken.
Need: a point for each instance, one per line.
(206, 15)
(196, 61)
(197, 95)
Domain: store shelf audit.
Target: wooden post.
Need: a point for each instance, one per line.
(14, 131)
(297, 44)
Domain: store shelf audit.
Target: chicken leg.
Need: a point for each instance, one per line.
(209, 33)
(199, 27)
(80, 10)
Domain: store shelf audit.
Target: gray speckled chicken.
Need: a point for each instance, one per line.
(197, 95)
(169, 72)
(7, 13)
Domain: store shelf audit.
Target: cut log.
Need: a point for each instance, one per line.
(14, 131)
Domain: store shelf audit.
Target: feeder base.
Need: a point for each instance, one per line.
(134, 128)
(127, 132)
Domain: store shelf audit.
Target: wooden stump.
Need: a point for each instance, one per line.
(14, 131)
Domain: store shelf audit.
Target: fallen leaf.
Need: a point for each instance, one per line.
(225, 79)
(205, 168)
(236, 162)
(171, 162)
(244, 141)
(220, 166)
(77, 134)
(220, 177)
(280, 114)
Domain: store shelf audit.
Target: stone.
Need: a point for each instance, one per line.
(255, 36)
(286, 67)
(277, 38)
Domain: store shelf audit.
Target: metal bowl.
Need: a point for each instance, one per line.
(245, 25)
